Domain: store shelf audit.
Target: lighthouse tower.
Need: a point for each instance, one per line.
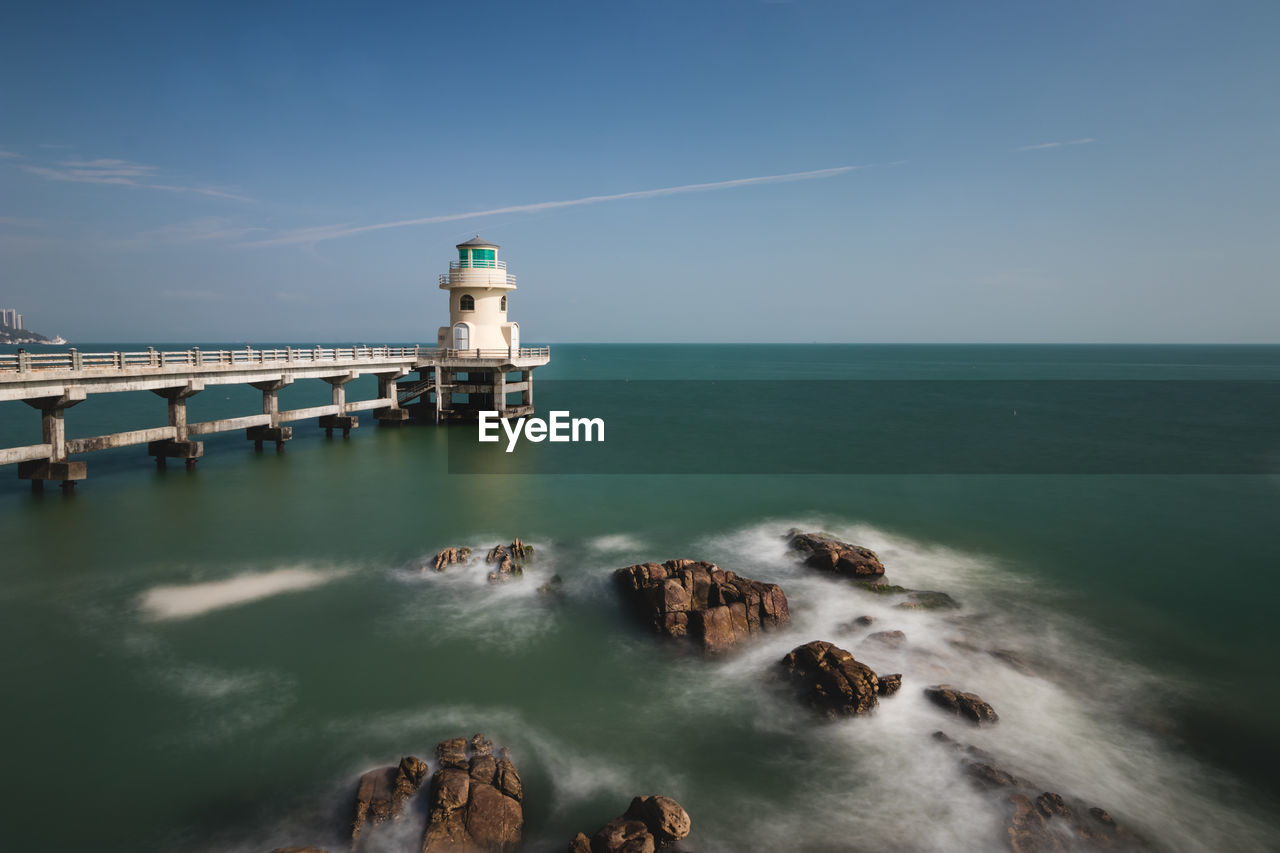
(479, 287)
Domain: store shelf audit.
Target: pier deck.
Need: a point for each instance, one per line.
(55, 381)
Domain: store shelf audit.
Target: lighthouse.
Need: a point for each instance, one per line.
(479, 364)
(479, 289)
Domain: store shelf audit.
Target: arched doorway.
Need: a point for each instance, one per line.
(461, 336)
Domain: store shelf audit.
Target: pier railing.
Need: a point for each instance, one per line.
(27, 362)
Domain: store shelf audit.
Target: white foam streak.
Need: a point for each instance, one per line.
(186, 601)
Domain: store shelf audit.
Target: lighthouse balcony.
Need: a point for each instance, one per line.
(467, 276)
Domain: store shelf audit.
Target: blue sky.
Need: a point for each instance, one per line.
(1071, 171)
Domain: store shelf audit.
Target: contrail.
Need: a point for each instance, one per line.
(333, 232)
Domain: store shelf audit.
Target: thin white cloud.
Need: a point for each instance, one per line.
(203, 230)
(1041, 146)
(122, 173)
(6, 154)
(333, 232)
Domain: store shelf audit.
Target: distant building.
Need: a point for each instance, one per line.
(10, 318)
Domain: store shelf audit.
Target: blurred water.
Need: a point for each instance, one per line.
(206, 661)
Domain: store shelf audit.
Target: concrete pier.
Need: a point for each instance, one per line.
(56, 381)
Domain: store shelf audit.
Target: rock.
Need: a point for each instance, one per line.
(826, 552)
(382, 793)
(649, 823)
(889, 684)
(855, 624)
(449, 556)
(665, 818)
(299, 850)
(921, 599)
(623, 836)
(888, 639)
(1028, 832)
(967, 705)
(510, 559)
(832, 681)
(1046, 821)
(1013, 660)
(885, 588)
(409, 777)
(472, 807)
(714, 608)
(554, 588)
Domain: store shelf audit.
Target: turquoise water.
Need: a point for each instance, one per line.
(147, 710)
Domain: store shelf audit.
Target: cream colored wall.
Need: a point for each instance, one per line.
(487, 321)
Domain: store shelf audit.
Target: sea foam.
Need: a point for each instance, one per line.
(185, 601)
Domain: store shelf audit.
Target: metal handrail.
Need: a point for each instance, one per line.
(26, 362)
(477, 264)
(447, 278)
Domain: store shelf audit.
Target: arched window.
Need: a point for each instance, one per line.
(466, 302)
(503, 306)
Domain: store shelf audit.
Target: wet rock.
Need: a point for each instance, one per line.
(554, 588)
(510, 559)
(649, 823)
(922, 599)
(701, 601)
(382, 793)
(967, 705)
(449, 556)
(665, 818)
(472, 807)
(1013, 660)
(829, 554)
(832, 681)
(889, 684)
(1044, 821)
(1028, 830)
(887, 639)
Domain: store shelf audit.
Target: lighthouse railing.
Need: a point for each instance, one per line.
(477, 264)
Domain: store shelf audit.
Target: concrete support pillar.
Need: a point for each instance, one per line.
(442, 393)
(179, 447)
(340, 419)
(53, 432)
(388, 390)
(526, 396)
(500, 391)
(270, 407)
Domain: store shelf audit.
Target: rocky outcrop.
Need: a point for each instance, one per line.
(446, 557)
(967, 705)
(1040, 821)
(927, 599)
(475, 799)
(510, 560)
(703, 602)
(648, 824)
(887, 639)
(833, 682)
(382, 794)
(826, 552)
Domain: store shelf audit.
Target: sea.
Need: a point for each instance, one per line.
(208, 660)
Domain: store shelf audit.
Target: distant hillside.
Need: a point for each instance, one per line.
(21, 336)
